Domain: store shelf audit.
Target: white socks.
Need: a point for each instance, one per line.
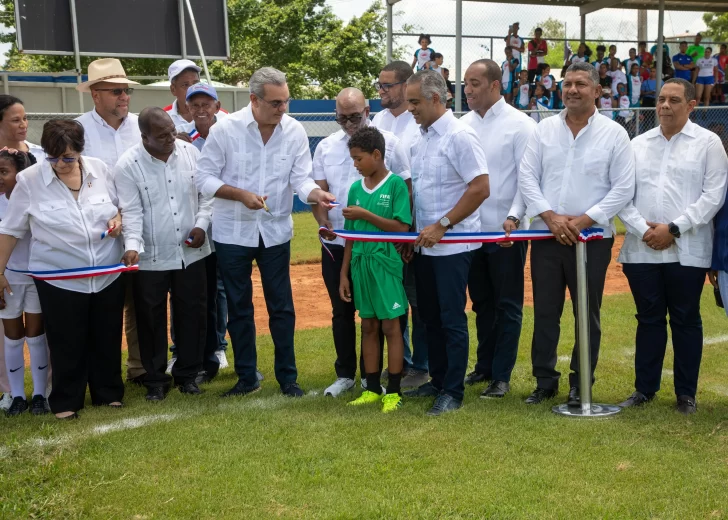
(15, 364)
(38, 347)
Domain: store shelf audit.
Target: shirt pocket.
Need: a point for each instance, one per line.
(189, 189)
(102, 209)
(340, 174)
(55, 213)
(282, 164)
(596, 165)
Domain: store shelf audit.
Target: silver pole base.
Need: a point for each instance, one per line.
(596, 410)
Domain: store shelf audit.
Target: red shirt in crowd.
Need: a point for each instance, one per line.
(533, 60)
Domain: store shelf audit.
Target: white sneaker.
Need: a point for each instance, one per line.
(5, 402)
(222, 358)
(340, 386)
(170, 364)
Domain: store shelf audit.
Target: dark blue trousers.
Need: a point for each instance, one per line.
(659, 289)
(495, 285)
(441, 297)
(236, 266)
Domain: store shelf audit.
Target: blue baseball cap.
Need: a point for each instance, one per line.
(201, 88)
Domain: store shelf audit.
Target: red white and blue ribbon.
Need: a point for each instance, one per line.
(586, 235)
(80, 272)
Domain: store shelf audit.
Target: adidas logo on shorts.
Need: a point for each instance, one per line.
(396, 306)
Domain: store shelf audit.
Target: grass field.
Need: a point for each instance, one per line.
(269, 457)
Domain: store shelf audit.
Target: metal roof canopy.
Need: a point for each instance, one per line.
(585, 7)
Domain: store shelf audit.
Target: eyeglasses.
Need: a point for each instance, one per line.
(354, 119)
(116, 91)
(277, 104)
(386, 86)
(67, 160)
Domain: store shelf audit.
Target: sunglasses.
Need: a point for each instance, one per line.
(386, 86)
(277, 104)
(116, 91)
(67, 160)
(355, 119)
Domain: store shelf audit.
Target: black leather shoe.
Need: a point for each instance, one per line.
(190, 388)
(204, 377)
(496, 390)
(71, 417)
(292, 390)
(426, 390)
(540, 395)
(636, 399)
(18, 406)
(686, 405)
(443, 404)
(475, 377)
(574, 397)
(39, 405)
(155, 393)
(241, 389)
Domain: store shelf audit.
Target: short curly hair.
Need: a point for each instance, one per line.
(368, 139)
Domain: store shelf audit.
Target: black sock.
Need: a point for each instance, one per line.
(374, 382)
(393, 383)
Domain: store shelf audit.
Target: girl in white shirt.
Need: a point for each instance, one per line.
(706, 76)
(23, 301)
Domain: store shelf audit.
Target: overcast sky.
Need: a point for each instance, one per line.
(484, 19)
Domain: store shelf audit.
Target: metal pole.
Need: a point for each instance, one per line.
(637, 113)
(199, 43)
(659, 55)
(458, 55)
(77, 52)
(583, 29)
(642, 25)
(582, 336)
(182, 29)
(491, 48)
(588, 409)
(390, 30)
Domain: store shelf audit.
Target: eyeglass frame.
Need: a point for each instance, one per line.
(277, 104)
(349, 118)
(128, 91)
(66, 160)
(386, 86)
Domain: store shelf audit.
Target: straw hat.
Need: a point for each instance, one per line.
(106, 69)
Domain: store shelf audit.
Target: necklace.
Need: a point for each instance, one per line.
(80, 168)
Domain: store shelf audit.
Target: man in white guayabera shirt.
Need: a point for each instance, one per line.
(577, 172)
(252, 162)
(496, 275)
(334, 171)
(395, 118)
(109, 131)
(681, 171)
(449, 183)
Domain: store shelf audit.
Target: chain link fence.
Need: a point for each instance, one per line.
(320, 125)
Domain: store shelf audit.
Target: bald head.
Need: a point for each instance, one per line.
(352, 111)
(153, 116)
(350, 99)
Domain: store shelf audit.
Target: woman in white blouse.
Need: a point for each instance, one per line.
(14, 128)
(66, 202)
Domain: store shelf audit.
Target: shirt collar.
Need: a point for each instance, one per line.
(173, 110)
(146, 155)
(563, 113)
(48, 174)
(442, 124)
(688, 129)
(494, 111)
(343, 136)
(100, 120)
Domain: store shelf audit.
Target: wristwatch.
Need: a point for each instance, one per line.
(674, 230)
(445, 222)
(515, 220)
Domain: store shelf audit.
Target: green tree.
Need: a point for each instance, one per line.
(319, 52)
(717, 24)
(554, 32)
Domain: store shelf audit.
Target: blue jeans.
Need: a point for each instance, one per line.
(659, 289)
(441, 295)
(496, 288)
(416, 357)
(236, 266)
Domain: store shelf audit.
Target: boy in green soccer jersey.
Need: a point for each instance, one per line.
(379, 202)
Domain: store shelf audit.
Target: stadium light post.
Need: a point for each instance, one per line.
(587, 409)
(76, 52)
(199, 42)
(390, 30)
(458, 56)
